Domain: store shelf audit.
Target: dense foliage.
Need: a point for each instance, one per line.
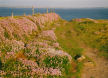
(28, 50)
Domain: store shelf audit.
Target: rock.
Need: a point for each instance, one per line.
(81, 58)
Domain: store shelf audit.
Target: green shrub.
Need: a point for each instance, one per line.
(16, 36)
(87, 22)
(56, 62)
(6, 35)
(6, 48)
(11, 65)
(104, 48)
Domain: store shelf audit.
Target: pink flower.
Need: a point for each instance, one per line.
(46, 71)
(14, 45)
(2, 73)
(49, 33)
(9, 55)
(28, 62)
(25, 25)
(56, 72)
(56, 45)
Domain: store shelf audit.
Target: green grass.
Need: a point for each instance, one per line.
(6, 34)
(56, 62)
(68, 41)
(3, 18)
(93, 35)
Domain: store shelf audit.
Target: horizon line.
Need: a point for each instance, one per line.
(52, 7)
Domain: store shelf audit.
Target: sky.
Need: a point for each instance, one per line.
(54, 3)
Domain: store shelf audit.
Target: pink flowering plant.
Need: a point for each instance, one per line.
(29, 51)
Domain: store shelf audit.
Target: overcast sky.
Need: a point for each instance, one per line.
(54, 3)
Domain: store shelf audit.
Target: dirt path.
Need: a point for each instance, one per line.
(100, 70)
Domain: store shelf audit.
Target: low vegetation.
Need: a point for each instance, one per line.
(69, 43)
(48, 46)
(93, 33)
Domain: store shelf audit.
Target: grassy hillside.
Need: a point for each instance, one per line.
(93, 33)
(46, 46)
(68, 41)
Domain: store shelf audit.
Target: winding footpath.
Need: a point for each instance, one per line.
(99, 66)
(99, 70)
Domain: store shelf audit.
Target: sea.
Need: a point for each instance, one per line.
(67, 14)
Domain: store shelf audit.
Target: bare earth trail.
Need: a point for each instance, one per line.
(100, 64)
(100, 70)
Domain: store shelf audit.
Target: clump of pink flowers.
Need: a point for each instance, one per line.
(24, 25)
(47, 71)
(49, 33)
(10, 55)
(52, 52)
(56, 45)
(31, 54)
(2, 72)
(78, 20)
(28, 62)
(14, 45)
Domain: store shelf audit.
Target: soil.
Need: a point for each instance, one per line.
(100, 70)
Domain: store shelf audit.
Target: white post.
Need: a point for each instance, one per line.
(53, 10)
(47, 10)
(12, 15)
(24, 14)
(32, 10)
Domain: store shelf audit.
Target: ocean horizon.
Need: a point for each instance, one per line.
(65, 13)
